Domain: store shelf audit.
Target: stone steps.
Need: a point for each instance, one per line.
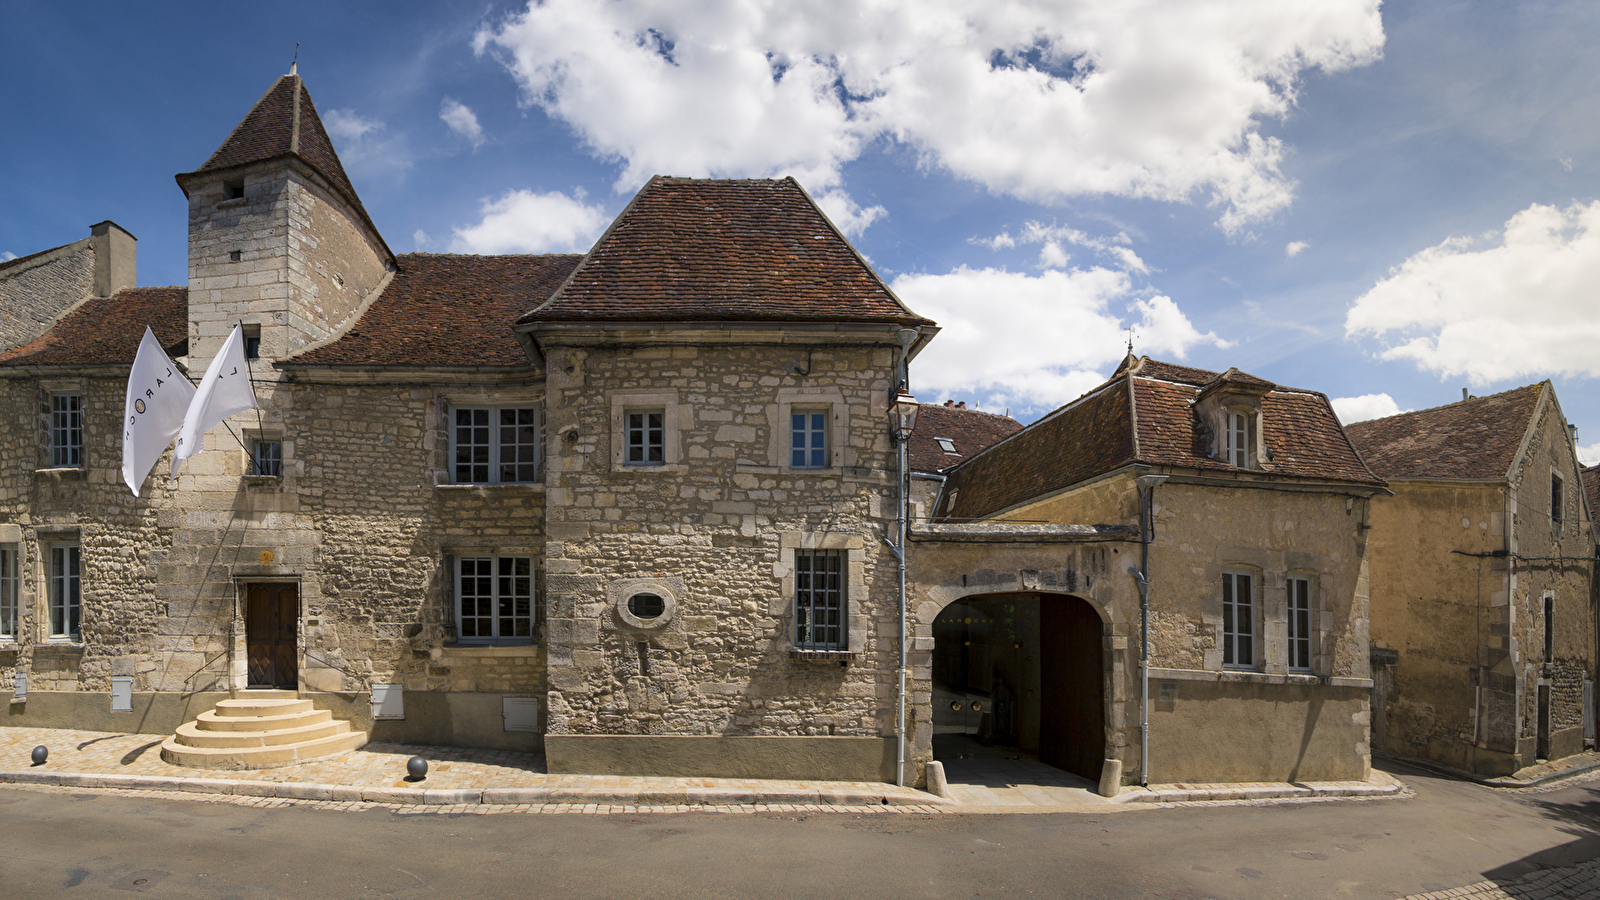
(260, 730)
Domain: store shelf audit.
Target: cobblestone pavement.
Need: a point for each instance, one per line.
(1579, 882)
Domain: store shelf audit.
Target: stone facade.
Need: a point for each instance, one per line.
(1462, 570)
(36, 289)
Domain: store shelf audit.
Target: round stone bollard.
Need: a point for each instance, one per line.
(417, 768)
(40, 754)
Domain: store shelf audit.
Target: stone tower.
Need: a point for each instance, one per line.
(278, 238)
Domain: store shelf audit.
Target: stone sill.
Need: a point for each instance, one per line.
(535, 486)
(1236, 676)
(823, 655)
(58, 648)
(667, 469)
(490, 650)
(63, 473)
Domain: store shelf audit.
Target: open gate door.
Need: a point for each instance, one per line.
(1072, 732)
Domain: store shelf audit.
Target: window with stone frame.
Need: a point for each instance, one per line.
(494, 599)
(1300, 623)
(808, 438)
(65, 590)
(646, 434)
(1238, 620)
(8, 592)
(1558, 498)
(496, 444)
(266, 457)
(66, 430)
(820, 579)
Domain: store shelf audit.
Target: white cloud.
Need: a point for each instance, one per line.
(1295, 247)
(525, 222)
(846, 214)
(364, 145)
(1033, 99)
(1518, 304)
(420, 239)
(1364, 407)
(1589, 454)
(7, 255)
(462, 120)
(1052, 255)
(1033, 342)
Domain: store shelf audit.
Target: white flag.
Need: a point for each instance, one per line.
(158, 398)
(224, 391)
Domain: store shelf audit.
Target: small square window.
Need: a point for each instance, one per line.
(252, 342)
(266, 458)
(66, 430)
(646, 437)
(808, 439)
(233, 190)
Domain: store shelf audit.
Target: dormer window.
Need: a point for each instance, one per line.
(1239, 422)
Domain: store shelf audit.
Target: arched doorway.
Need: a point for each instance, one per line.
(1023, 671)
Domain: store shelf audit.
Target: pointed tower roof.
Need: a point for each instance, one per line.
(284, 123)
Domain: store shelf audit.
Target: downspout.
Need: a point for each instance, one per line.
(905, 336)
(1147, 486)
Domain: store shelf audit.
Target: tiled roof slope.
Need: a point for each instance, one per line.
(1097, 434)
(107, 330)
(969, 430)
(446, 311)
(284, 122)
(1474, 438)
(712, 250)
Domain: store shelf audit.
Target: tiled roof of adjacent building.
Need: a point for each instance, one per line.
(446, 311)
(284, 122)
(1591, 487)
(966, 431)
(1475, 438)
(702, 250)
(107, 330)
(1144, 415)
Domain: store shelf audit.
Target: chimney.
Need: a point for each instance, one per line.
(115, 252)
(1572, 431)
(1464, 394)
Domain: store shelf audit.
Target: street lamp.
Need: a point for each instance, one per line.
(903, 416)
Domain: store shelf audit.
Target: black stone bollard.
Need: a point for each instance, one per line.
(40, 754)
(417, 768)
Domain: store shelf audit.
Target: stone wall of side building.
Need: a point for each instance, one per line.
(34, 292)
(716, 530)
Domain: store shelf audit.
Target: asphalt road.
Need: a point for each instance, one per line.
(63, 843)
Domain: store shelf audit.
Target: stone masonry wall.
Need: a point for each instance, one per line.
(34, 293)
(717, 528)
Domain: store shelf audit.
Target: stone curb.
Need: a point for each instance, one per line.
(1502, 781)
(294, 790)
(1259, 792)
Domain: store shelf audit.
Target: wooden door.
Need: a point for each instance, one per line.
(272, 614)
(1071, 687)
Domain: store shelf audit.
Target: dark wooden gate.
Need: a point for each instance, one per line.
(272, 612)
(1071, 687)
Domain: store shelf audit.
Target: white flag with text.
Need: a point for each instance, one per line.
(224, 390)
(158, 398)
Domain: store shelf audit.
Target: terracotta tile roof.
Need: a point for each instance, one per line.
(107, 330)
(754, 250)
(1474, 438)
(967, 430)
(446, 311)
(1139, 418)
(284, 122)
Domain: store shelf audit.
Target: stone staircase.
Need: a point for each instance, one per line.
(260, 730)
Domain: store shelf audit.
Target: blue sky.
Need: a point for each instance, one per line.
(1385, 205)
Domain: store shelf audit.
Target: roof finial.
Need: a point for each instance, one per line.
(1129, 330)
(294, 65)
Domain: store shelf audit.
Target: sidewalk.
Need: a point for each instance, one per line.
(376, 774)
(1537, 775)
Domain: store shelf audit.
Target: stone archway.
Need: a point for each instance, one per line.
(1022, 670)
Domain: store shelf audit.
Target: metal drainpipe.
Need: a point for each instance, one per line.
(905, 336)
(1147, 487)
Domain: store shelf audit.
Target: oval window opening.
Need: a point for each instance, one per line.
(646, 606)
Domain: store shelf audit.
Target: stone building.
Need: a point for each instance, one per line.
(37, 288)
(1027, 601)
(627, 506)
(945, 436)
(1483, 623)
